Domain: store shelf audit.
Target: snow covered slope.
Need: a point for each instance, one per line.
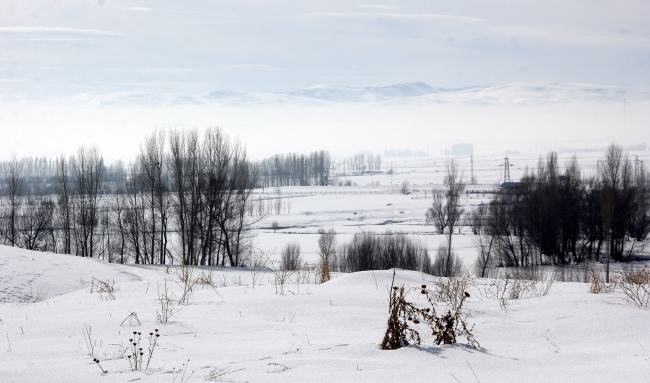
(24, 273)
(311, 333)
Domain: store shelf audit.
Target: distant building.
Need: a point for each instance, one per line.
(510, 187)
(460, 150)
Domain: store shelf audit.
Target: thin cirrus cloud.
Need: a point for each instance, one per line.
(392, 15)
(563, 37)
(136, 9)
(62, 30)
(377, 6)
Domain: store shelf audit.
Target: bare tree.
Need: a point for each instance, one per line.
(437, 215)
(456, 186)
(152, 158)
(14, 184)
(291, 259)
(34, 224)
(88, 187)
(133, 208)
(326, 252)
(64, 208)
(185, 180)
(446, 263)
(617, 176)
(483, 241)
(405, 189)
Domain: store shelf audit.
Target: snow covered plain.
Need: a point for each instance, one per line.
(312, 333)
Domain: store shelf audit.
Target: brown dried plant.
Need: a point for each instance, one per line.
(597, 285)
(635, 284)
(404, 318)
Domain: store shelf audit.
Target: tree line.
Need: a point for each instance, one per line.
(185, 199)
(554, 217)
(358, 164)
(294, 169)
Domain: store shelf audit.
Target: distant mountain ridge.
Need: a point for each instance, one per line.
(414, 93)
(373, 93)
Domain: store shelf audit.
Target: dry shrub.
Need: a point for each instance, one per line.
(206, 279)
(280, 278)
(597, 285)
(453, 290)
(405, 316)
(326, 253)
(188, 282)
(323, 271)
(511, 288)
(105, 289)
(291, 259)
(635, 284)
(218, 374)
(446, 263)
(167, 305)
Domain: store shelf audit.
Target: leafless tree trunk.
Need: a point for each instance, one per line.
(14, 184)
(63, 189)
(455, 212)
(152, 158)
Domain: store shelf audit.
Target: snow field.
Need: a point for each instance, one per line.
(312, 333)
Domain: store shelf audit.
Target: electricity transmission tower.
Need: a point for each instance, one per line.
(506, 170)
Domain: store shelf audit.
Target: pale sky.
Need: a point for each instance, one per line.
(71, 46)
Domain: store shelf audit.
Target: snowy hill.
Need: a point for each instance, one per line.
(26, 273)
(311, 333)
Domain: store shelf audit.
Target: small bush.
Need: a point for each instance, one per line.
(370, 251)
(326, 253)
(405, 189)
(167, 303)
(597, 285)
(291, 259)
(519, 285)
(105, 289)
(446, 264)
(453, 290)
(635, 284)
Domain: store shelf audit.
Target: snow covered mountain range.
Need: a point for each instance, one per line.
(537, 93)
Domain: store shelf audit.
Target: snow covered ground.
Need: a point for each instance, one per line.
(311, 333)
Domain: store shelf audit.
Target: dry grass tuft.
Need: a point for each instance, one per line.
(635, 284)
